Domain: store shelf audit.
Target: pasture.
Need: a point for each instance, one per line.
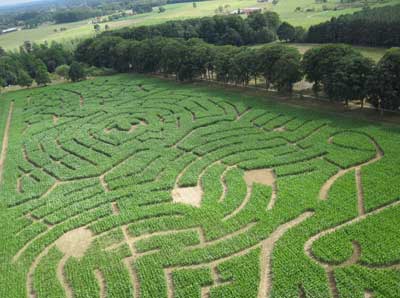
(82, 29)
(374, 53)
(129, 186)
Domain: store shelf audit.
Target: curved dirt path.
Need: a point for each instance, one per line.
(101, 282)
(266, 246)
(354, 259)
(260, 176)
(29, 278)
(309, 243)
(63, 279)
(5, 140)
(323, 194)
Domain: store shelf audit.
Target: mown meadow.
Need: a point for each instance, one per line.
(131, 186)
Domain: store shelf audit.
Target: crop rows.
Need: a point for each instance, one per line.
(133, 187)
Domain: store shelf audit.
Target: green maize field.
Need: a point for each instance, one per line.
(130, 186)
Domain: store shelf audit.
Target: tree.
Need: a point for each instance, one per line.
(24, 79)
(63, 71)
(8, 70)
(2, 84)
(232, 37)
(373, 27)
(171, 55)
(300, 34)
(76, 72)
(384, 87)
(161, 9)
(122, 59)
(54, 55)
(27, 47)
(349, 80)
(42, 76)
(264, 35)
(319, 62)
(105, 51)
(242, 68)
(106, 27)
(273, 20)
(280, 65)
(194, 5)
(97, 27)
(223, 61)
(84, 52)
(286, 32)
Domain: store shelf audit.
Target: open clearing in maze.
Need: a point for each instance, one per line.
(128, 186)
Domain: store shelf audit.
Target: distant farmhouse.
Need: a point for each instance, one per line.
(247, 11)
(9, 30)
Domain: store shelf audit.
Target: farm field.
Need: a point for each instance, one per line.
(286, 10)
(82, 29)
(374, 53)
(130, 186)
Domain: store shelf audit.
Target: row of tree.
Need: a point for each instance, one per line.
(35, 63)
(340, 71)
(372, 27)
(220, 30)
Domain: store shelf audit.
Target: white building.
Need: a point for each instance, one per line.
(9, 30)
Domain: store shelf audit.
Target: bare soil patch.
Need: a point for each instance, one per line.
(75, 243)
(188, 195)
(262, 176)
(280, 129)
(265, 177)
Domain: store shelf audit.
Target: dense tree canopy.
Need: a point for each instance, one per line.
(76, 72)
(319, 62)
(219, 29)
(349, 80)
(286, 32)
(189, 59)
(373, 27)
(42, 76)
(385, 83)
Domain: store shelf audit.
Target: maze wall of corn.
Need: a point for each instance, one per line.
(129, 186)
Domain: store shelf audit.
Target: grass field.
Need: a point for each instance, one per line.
(129, 186)
(373, 53)
(83, 29)
(286, 9)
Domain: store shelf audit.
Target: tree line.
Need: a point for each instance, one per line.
(341, 72)
(35, 63)
(371, 27)
(220, 30)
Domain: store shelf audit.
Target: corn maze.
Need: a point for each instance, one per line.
(128, 186)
